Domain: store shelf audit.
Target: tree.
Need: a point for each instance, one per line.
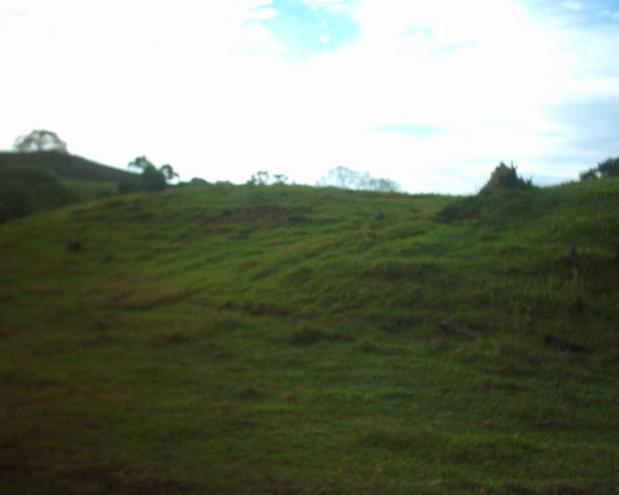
(590, 174)
(40, 140)
(505, 177)
(153, 178)
(263, 178)
(280, 179)
(140, 162)
(341, 177)
(168, 172)
(260, 178)
(609, 167)
(346, 178)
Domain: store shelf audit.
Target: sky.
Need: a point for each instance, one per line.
(432, 94)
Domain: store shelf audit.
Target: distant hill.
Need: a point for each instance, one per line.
(67, 166)
(31, 182)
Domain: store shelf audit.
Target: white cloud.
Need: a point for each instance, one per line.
(612, 14)
(333, 5)
(572, 6)
(263, 14)
(205, 86)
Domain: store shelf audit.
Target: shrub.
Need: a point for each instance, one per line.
(346, 178)
(153, 179)
(590, 174)
(198, 181)
(505, 178)
(607, 168)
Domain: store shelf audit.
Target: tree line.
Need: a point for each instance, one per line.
(607, 168)
(153, 178)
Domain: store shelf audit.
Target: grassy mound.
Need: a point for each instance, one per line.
(295, 340)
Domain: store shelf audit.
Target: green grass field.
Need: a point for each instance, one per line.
(294, 340)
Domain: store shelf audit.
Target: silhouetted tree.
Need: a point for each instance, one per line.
(140, 162)
(260, 178)
(152, 178)
(40, 140)
(607, 168)
(280, 179)
(346, 178)
(590, 174)
(168, 172)
(263, 178)
(383, 185)
(341, 177)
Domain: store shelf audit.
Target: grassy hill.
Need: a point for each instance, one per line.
(31, 182)
(67, 166)
(292, 340)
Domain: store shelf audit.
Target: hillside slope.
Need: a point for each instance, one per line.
(67, 166)
(285, 339)
(31, 182)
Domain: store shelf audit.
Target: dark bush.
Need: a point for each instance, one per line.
(607, 168)
(505, 178)
(153, 179)
(590, 174)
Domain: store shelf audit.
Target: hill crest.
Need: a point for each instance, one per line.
(67, 166)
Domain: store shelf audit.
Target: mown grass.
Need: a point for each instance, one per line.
(287, 340)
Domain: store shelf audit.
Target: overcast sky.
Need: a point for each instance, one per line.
(430, 93)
